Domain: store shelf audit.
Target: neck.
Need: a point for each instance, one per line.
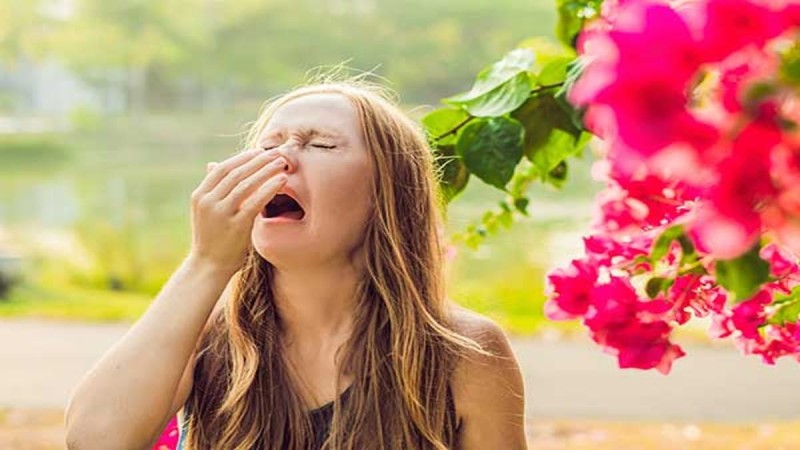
(316, 304)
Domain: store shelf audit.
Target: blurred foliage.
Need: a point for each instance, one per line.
(168, 53)
(84, 118)
(510, 130)
(32, 151)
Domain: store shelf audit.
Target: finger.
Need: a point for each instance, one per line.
(253, 205)
(241, 173)
(245, 187)
(210, 166)
(221, 170)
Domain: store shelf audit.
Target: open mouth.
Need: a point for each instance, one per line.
(283, 205)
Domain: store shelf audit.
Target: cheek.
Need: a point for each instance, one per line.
(345, 195)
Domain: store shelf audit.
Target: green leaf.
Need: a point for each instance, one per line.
(558, 174)
(542, 116)
(442, 121)
(574, 71)
(572, 15)
(656, 285)
(784, 298)
(665, 239)
(788, 309)
(546, 51)
(499, 88)
(505, 217)
(454, 175)
(554, 71)
(491, 148)
(790, 64)
(501, 100)
(515, 61)
(522, 205)
(743, 276)
(689, 257)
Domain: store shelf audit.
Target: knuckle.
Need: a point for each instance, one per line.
(241, 188)
(219, 207)
(205, 203)
(237, 172)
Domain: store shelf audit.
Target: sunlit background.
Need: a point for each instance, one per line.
(109, 111)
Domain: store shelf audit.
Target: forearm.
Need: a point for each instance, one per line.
(127, 394)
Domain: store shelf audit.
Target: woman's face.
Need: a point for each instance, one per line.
(329, 175)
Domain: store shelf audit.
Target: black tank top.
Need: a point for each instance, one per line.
(321, 420)
(321, 417)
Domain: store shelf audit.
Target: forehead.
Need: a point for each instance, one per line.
(332, 113)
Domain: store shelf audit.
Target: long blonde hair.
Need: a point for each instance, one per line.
(403, 348)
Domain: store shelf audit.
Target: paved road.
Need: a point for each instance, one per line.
(40, 362)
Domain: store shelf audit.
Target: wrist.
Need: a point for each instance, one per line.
(207, 267)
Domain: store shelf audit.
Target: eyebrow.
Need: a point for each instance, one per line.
(307, 131)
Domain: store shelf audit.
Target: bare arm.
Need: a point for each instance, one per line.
(130, 394)
(489, 390)
(126, 399)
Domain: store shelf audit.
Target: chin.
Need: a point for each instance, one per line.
(284, 252)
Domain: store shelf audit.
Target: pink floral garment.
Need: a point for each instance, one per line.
(169, 438)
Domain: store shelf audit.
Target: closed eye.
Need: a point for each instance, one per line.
(315, 145)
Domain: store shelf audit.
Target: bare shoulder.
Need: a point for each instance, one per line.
(480, 329)
(488, 386)
(475, 367)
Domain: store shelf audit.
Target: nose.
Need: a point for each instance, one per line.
(285, 151)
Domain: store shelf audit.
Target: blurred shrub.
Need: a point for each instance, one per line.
(127, 257)
(84, 119)
(7, 102)
(11, 267)
(7, 282)
(32, 151)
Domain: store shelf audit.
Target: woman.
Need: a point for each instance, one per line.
(319, 248)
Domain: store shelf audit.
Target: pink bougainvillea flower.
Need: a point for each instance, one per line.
(694, 295)
(653, 38)
(782, 263)
(643, 345)
(731, 25)
(629, 328)
(639, 70)
(638, 199)
(569, 290)
(603, 250)
(779, 341)
(745, 319)
(721, 235)
(612, 304)
(740, 71)
(731, 221)
(790, 14)
(699, 127)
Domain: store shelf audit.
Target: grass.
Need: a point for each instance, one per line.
(73, 303)
(513, 300)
